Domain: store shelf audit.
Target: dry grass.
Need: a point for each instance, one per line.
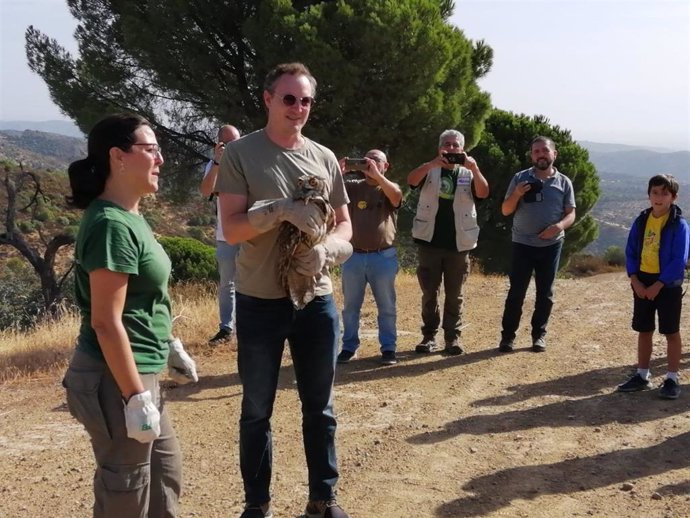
(49, 346)
(38, 352)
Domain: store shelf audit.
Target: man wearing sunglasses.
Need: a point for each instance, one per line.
(257, 179)
(225, 253)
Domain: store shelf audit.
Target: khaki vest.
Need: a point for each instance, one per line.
(466, 228)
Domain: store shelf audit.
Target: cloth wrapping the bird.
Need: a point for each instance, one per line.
(291, 241)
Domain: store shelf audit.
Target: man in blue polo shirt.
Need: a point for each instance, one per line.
(543, 201)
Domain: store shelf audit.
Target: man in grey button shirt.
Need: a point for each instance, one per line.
(543, 201)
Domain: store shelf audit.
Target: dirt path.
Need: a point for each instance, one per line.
(522, 434)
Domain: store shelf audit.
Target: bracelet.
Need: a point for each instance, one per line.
(216, 163)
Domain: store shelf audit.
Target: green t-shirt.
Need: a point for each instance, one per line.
(112, 238)
(259, 169)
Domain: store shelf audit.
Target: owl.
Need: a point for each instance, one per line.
(310, 189)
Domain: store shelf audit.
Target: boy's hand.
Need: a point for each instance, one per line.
(654, 290)
(639, 288)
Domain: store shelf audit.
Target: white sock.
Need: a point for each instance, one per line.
(672, 376)
(644, 373)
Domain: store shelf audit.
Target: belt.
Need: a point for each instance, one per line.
(373, 251)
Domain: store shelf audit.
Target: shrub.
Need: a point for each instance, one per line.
(583, 265)
(20, 299)
(201, 220)
(201, 235)
(26, 226)
(615, 256)
(191, 259)
(44, 214)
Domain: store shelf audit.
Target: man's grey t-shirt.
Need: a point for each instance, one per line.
(255, 167)
(531, 218)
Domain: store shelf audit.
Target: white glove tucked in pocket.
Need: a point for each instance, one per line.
(142, 418)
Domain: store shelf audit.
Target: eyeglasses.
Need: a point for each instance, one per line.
(154, 149)
(290, 100)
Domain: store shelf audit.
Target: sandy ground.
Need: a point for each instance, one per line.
(483, 434)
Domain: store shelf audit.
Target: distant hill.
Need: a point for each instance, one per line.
(605, 147)
(60, 127)
(639, 162)
(40, 150)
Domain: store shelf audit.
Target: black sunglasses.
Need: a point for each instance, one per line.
(290, 100)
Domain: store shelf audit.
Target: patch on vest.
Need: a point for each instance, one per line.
(362, 204)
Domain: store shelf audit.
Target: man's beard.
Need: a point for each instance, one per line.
(543, 164)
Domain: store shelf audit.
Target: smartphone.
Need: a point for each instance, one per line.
(356, 164)
(455, 158)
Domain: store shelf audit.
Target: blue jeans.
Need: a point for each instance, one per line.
(379, 270)
(225, 255)
(263, 325)
(543, 261)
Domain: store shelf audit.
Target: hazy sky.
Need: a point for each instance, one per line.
(608, 70)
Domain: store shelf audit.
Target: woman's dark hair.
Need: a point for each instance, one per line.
(87, 177)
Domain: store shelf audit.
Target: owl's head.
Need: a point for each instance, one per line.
(311, 183)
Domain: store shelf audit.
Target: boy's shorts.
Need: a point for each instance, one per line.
(667, 304)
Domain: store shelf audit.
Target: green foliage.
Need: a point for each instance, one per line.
(20, 295)
(502, 152)
(191, 259)
(200, 235)
(202, 220)
(391, 75)
(44, 214)
(615, 256)
(26, 227)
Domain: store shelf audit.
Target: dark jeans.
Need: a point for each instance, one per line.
(263, 325)
(543, 261)
(453, 267)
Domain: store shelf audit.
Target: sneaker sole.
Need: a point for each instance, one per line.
(636, 389)
(669, 396)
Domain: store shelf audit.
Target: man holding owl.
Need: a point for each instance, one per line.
(264, 167)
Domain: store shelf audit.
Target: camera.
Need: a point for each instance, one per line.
(356, 164)
(455, 158)
(534, 193)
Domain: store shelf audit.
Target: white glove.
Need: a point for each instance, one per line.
(142, 418)
(181, 367)
(311, 261)
(265, 215)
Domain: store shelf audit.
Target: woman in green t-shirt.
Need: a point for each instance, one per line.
(121, 280)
